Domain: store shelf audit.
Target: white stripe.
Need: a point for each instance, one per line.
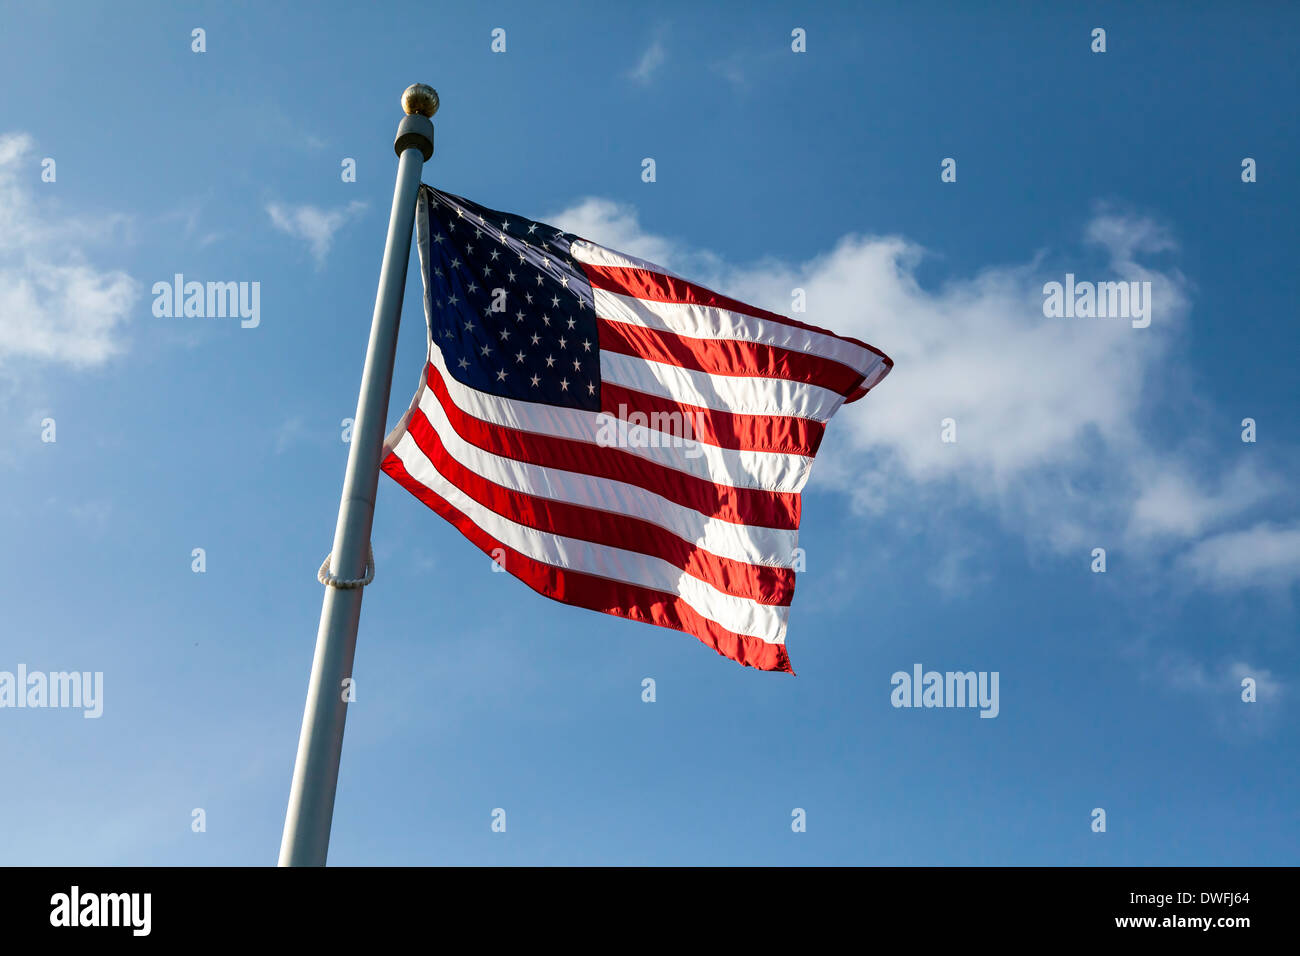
(706, 322)
(875, 375)
(584, 250)
(741, 615)
(764, 470)
(751, 544)
(740, 394)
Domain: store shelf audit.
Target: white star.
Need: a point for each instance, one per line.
(455, 263)
(437, 270)
(519, 316)
(505, 334)
(564, 281)
(452, 300)
(563, 343)
(564, 384)
(478, 233)
(532, 229)
(472, 287)
(522, 260)
(501, 375)
(549, 361)
(505, 225)
(591, 389)
(469, 250)
(460, 213)
(495, 255)
(572, 323)
(534, 380)
(519, 356)
(510, 276)
(502, 237)
(546, 263)
(528, 297)
(439, 237)
(582, 303)
(469, 326)
(546, 319)
(577, 366)
(536, 338)
(586, 346)
(539, 278)
(555, 301)
(463, 363)
(487, 270)
(486, 350)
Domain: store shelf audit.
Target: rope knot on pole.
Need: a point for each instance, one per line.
(347, 584)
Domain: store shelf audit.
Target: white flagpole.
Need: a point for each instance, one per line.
(316, 769)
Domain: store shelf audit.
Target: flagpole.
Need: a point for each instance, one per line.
(316, 768)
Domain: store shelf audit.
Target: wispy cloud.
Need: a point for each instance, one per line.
(189, 216)
(289, 433)
(650, 61)
(312, 224)
(55, 305)
(732, 70)
(1222, 686)
(1266, 555)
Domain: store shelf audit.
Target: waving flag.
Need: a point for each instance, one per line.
(617, 437)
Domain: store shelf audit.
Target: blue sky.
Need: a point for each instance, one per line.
(775, 170)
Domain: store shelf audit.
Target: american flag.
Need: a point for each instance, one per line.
(615, 436)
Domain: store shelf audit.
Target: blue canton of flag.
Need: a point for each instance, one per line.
(516, 317)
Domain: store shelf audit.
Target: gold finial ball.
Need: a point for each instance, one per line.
(420, 99)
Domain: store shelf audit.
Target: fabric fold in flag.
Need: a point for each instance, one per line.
(613, 435)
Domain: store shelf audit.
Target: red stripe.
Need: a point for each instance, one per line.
(774, 433)
(760, 583)
(645, 284)
(727, 356)
(631, 601)
(770, 509)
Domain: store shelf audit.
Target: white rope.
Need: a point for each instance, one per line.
(330, 581)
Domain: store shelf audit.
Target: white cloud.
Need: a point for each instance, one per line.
(289, 433)
(54, 304)
(1185, 673)
(616, 225)
(732, 69)
(188, 215)
(1051, 413)
(650, 61)
(1216, 685)
(1268, 686)
(958, 571)
(1035, 399)
(1170, 503)
(313, 225)
(1266, 554)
